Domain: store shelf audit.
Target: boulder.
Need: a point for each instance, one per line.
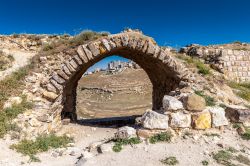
(170, 103)
(201, 120)
(11, 101)
(218, 116)
(125, 132)
(180, 120)
(195, 103)
(154, 120)
(238, 114)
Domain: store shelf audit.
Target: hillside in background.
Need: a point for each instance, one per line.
(104, 95)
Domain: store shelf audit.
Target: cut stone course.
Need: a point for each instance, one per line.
(154, 120)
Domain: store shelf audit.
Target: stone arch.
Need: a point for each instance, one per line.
(164, 71)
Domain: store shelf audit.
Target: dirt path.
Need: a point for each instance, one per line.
(21, 59)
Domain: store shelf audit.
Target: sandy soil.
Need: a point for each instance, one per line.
(189, 152)
(21, 59)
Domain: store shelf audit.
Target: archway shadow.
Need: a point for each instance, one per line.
(109, 122)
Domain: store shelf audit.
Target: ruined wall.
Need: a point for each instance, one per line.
(234, 63)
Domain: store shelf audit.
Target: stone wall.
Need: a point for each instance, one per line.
(234, 63)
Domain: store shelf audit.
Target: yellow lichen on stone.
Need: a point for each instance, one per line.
(202, 120)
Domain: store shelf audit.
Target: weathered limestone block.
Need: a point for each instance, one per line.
(71, 69)
(50, 95)
(112, 44)
(82, 54)
(87, 52)
(56, 85)
(124, 39)
(62, 74)
(151, 48)
(195, 103)
(117, 41)
(154, 120)
(157, 51)
(73, 64)
(180, 120)
(58, 79)
(170, 103)
(132, 43)
(66, 70)
(218, 116)
(201, 120)
(140, 44)
(125, 132)
(162, 54)
(238, 114)
(94, 49)
(77, 59)
(51, 88)
(106, 44)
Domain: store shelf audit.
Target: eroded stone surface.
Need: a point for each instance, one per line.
(154, 120)
(195, 103)
(218, 116)
(170, 103)
(180, 120)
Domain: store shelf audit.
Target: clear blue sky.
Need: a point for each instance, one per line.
(169, 22)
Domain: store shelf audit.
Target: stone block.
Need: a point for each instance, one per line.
(106, 44)
(125, 132)
(170, 103)
(154, 120)
(94, 49)
(202, 120)
(218, 116)
(195, 103)
(87, 52)
(180, 120)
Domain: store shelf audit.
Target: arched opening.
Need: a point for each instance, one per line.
(164, 72)
(113, 88)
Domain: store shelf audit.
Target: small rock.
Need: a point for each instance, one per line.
(238, 114)
(154, 120)
(170, 103)
(195, 103)
(43, 118)
(202, 120)
(180, 119)
(54, 154)
(241, 130)
(72, 151)
(125, 132)
(108, 147)
(49, 95)
(218, 116)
